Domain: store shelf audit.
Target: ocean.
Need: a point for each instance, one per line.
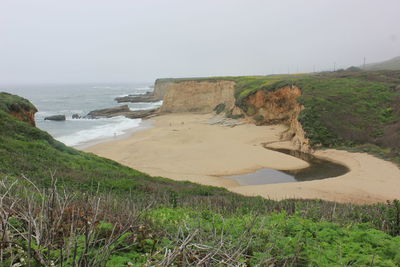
(81, 99)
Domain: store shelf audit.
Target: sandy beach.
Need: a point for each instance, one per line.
(186, 147)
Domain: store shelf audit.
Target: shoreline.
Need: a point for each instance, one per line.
(143, 125)
(153, 145)
(185, 147)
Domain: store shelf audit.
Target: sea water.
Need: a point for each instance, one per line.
(69, 99)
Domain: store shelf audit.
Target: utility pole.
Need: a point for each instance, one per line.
(364, 64)
(334, 66)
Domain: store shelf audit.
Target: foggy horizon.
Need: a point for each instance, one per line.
(45, 42)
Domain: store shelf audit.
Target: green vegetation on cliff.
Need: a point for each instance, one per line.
(13, 103)
(63, 207)
(357, 110)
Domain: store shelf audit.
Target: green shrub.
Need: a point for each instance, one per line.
(219, 108)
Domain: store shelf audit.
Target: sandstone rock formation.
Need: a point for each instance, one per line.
(280, 106)
(200, 96)
(18, 107)
(120, 111)
(26, 116)
(148, 97)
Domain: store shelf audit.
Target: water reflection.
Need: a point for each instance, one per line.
(319, 169)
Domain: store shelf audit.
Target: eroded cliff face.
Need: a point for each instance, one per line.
(197, 96)
(27, 116)
(160, 88)
(18, 107)
(280, 106)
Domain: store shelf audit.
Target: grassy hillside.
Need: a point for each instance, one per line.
(63, 207)
(355, 110)
(391, 64)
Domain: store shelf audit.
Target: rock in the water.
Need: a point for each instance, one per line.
(148, 97)
(55, 118)
(119, 111)
(76, 116)
(108, 112)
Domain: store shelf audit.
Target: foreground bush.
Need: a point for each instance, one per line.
(52, 227)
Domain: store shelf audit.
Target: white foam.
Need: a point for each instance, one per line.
(134, 94)
(68, 113)
(147, 88)
(147, 105)
(117, 126)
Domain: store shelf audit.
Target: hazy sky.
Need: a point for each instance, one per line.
(140, 40)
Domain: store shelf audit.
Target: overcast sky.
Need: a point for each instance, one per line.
(140, 40)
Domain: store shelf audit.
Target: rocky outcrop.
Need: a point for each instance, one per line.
(148, 97)
(141, 114)
(200, 96)
(120, 111)
(279, 106)
(55, 118)
(160, 88)
(27, 116)
(108, 112)
(18, 107)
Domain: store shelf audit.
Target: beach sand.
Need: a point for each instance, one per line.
(186, 147)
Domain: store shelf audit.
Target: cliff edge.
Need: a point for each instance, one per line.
(160, 88)
(280, 106)
(198, 96)
(18, 107)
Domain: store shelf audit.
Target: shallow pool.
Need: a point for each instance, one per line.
(319, 169)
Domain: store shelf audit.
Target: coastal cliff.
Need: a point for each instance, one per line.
(160, 87)
(18, 107)
(200, 96)
(347, 108)
(279, 107)
(261, 107)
